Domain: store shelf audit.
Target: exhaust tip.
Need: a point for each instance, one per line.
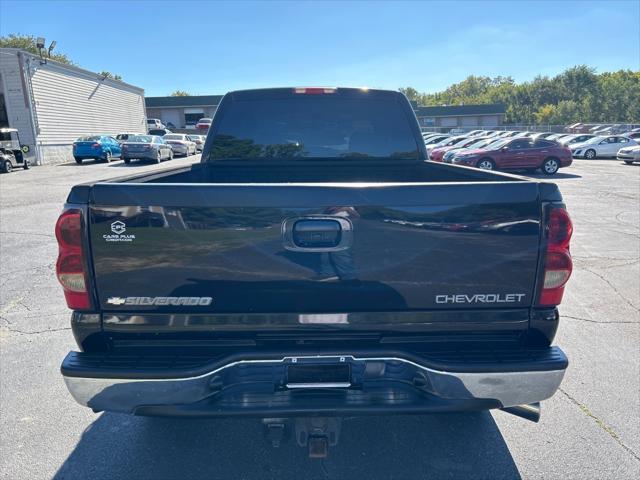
(529, 411)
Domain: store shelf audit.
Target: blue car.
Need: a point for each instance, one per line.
(97, 147)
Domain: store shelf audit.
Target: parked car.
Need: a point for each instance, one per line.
(12, 152)
(597, 127)
(96, 147)
(437, 154)
(556, 137)
(436, 139)
(575, 139)
(518, 154)
(198, 140)
(154, 123)
(511, 133)
(629, 154)
(483, 143)
(181, 144)
(474, 133)
(170, 125)
(160, 132)
(601, 147)
(146, 147)
(633, 135)
(124, 136)
(457, 131)
(262, 313)
(538, 135)
(447, 142)
(203, 125)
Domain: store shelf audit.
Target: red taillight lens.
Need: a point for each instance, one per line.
(96, 145)
(70, 268)
(558, 265)
(559, 229)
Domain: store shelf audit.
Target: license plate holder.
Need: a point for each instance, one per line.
(319, 376)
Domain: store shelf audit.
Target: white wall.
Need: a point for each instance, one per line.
(70, 103)
(18, 111)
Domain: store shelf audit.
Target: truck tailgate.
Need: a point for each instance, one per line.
(314, 248)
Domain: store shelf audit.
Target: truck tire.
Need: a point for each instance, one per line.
(486, 164)
(126, 160)
(550, 166)
(78, 160)
(628, 162)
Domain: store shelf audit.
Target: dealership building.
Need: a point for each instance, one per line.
(52, 104)
(184, 112)
(468, 117)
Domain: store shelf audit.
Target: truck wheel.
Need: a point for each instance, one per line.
(486, 164)
(78, 160)
(590, 154)
(126, 160)
(628, 162)
(7, 166)
(550, 166)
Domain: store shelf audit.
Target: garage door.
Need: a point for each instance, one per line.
(469, 121)
(448, 122)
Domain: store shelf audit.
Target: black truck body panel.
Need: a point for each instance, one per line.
(410, 246)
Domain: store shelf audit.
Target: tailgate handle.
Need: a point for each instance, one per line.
(317, 234)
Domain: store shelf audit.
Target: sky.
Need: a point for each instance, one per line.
(209, 48)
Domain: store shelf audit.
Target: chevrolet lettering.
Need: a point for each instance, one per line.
(482, 298)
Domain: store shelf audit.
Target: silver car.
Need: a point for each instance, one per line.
(181, 144)
(629, 154)
(198, 140)
(146, 147)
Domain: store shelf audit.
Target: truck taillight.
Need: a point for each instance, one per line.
(70, 267)
(557, 265)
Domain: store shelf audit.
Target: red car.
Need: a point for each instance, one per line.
(203, 125)
(518, 154)
(437, 153)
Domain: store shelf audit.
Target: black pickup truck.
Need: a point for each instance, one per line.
(314, 264)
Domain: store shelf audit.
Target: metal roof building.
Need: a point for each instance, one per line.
(446, 117)
(51, 104)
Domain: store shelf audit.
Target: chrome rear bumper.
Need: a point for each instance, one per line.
(381, 381)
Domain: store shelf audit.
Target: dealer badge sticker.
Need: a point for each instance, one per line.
(119, 228)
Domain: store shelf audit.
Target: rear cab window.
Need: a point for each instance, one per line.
(345, 124)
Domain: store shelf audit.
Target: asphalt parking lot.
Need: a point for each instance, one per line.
(589, 429)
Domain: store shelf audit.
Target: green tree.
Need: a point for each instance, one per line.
(28, 43)
(179, 93)
(545, 113)
(578, 94)
(106, 74)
